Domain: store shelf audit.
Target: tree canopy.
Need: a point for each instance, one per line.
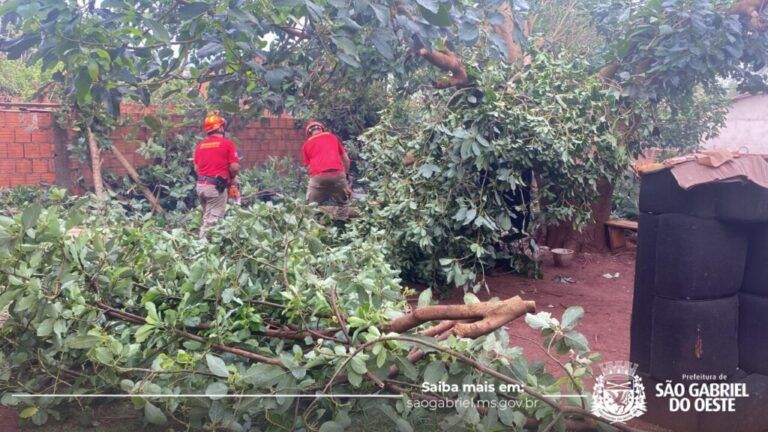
(270, 54)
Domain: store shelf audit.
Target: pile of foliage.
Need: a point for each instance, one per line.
(469, 186)
(275, 303)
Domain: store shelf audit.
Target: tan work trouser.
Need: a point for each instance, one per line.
(214, 205)
(333, 187)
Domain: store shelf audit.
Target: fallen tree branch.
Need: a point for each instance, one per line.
(135, 177)
(136, 319)
(339, 316)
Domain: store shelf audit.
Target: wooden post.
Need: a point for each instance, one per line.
(93, 149)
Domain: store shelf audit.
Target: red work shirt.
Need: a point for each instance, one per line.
(213, 156)
(323, 152)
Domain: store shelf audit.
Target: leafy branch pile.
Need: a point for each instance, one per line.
(276, 303)
(467, 188)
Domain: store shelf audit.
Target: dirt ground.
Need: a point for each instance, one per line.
(607, 302)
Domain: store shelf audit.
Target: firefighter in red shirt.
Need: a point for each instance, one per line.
(328, 166)
(216, 165)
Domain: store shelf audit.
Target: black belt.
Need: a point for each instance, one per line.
(207, 179)
(330, 170)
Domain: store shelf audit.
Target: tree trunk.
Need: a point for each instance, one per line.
(592, 237)
(135, 176)
(93, 149)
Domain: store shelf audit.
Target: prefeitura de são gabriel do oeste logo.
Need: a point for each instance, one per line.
(618, 394)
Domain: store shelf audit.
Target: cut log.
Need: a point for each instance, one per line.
(490, 316)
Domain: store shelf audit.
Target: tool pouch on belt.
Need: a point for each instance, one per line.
(221, 184)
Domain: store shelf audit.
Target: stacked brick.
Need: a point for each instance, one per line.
(33, 150)
(701, 296)
(26, 148)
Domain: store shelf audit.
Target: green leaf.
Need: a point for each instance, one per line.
(158, 30)
(572, 316)
(358, 364)
(540, 320)
(8, 6)
(346, 45)
(442, 18)
(30, 216)
(216, 390)
(83, 86)
(154, 415)
(6, 297)
(93, 70)
(576, 341)
(354, 378)
(143, 332)
(346, 58)
(470, 298)
(381, 41)
(381, 358)
(217, 366)
(408, 369)
(430, 5)
(425, 298)
(506, 415)
(45, 328)
(434, 372)
(381, 12)
(403, 425)
(193, 10)
(104, 355)
(83, 342)
(152, 317)
(263, 375)
(153, 123)
(331, 426)
(28, 412)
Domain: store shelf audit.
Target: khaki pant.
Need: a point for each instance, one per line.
(332, 187)
(214, 205)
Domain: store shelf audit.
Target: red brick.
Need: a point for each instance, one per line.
(40, 166)
(21, 136)
(23, 166)
(5, 181)
(32, 150)
(15, 151)
(42, 136)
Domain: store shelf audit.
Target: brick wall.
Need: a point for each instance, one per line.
(34, 150)
(26, 148)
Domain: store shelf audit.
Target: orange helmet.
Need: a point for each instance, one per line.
(311, 126)
(213, 122)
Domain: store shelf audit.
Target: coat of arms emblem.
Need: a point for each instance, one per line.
(618, 394)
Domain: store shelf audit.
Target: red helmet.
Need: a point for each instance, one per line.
(311, 126)
(213, 122)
